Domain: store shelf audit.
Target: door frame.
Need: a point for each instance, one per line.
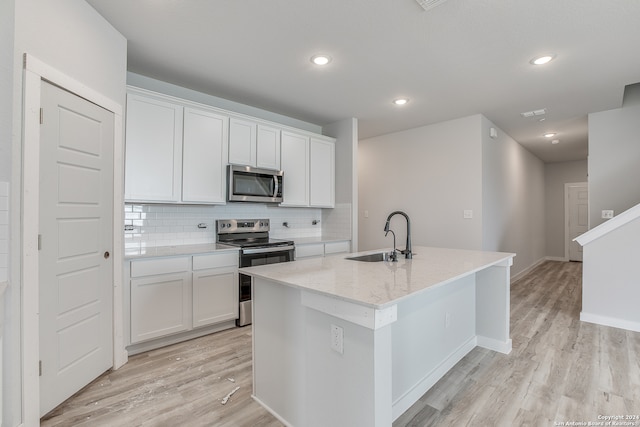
(568, 185)
(34, 71)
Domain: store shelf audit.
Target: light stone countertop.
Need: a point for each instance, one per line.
(177, 250)
(379, 284)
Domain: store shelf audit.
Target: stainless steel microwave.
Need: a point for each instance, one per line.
(247, 184)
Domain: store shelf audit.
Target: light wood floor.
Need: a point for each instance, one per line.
(560, 370)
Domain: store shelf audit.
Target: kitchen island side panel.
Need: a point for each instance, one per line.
(433, 332)
(279, 372)
(301, 380)
(493, 299)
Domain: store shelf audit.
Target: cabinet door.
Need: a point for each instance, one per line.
(160, 305)
(314, 250)
(204, 157)
(268, 147)
(332, 248)
(215, 296)
(322, 173)
(242, 142)
(295, 164)
(153, 150)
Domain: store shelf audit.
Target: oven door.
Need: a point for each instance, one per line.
(251, 257)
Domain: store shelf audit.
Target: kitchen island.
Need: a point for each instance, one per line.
(347, 343)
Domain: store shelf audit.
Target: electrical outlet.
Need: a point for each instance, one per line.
(607, 213)
(467, 214)
(337, 339)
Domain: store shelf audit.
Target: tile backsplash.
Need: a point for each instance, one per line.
(4, 230)
(167, 225)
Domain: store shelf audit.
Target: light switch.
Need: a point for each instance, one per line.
(467, 214)
(366, 214)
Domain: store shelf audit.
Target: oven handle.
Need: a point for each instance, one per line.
(265, 250)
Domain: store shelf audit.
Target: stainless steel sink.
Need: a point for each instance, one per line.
(379, 256)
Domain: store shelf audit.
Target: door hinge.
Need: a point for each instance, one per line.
(39, 368)
(39, 241)
(41, 115)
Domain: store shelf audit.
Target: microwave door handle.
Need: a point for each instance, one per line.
(275, 186)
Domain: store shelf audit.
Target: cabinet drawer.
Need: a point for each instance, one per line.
(304, 251)
(225, 259)
(337, 247)
(159, 266)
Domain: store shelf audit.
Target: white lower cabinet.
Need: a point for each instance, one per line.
(316, 250)
(332, 248)
(160, 305)
(215, 288)
(313, 250)
(174, 295)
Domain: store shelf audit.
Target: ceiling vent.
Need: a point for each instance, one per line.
(534, 113)
(429, 4)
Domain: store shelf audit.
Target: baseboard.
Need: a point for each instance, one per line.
(412, 395)
(610, 321)
(495, 345)
(527, 270)
(271, 411)
(176, 338)
(556, 258)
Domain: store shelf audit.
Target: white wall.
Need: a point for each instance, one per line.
(512, 199)
(614, 156)
(556, 175)
(70, 36)
(433, 173)
(436, 172)
(6, 86)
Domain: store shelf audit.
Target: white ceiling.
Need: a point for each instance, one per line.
(460, 58)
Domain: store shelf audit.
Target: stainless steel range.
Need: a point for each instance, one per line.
(256, 248)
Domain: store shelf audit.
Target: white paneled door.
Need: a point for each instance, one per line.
(578, 217)
(76, 228)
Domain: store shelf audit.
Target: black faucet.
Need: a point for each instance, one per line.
(407, 250)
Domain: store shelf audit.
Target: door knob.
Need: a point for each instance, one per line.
(107, 255)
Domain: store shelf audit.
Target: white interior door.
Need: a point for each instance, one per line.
(578, 217)
(76, 230)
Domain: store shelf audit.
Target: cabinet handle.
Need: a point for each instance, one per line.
(107, 255)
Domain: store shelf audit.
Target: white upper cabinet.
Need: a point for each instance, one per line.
(295, 164)
(268, 147)
(174, 152)
(322, 173)
(242, 142)
(253, 144)
(177, 151)
(204, 145)
(153, 150)
(309, 170)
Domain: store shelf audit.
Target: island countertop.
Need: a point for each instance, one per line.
(379, 284)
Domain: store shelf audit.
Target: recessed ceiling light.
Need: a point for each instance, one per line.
(544, 59)
(400, 101)
(555, 141)
(321, 59)
(549, 134)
